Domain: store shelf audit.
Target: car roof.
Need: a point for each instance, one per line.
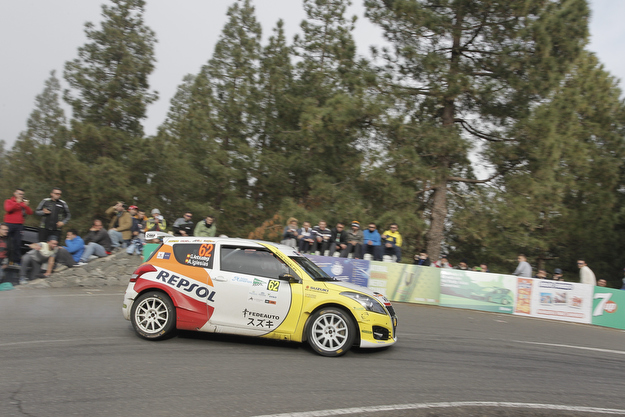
(228, 240)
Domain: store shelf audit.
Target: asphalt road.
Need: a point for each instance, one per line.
(69, 352)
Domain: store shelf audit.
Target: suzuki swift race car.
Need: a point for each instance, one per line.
(253, 288)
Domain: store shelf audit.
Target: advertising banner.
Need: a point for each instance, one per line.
(405, 283)
(355, 271)
(478, 290)
(566, 301)
(608, 308)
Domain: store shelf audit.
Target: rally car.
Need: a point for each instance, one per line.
(253, 288)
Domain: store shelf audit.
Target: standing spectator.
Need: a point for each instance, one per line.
(322, 237)
(524, 269)
(97, 243)
(15, 209)
(392, 241)
(338, 239)
(183, 226)
(289, 234)
(306, 238)
(462, 265)
(137, 230)
(443, 262)
(372, 242)
(586, 276)
(74, 244)
(422, 259)
(54, 214)
(602, 282)
(355, 239)
(557, 275)
(5, 249)
(206, 227)
(120, 225)
(156, 223)
(41, 253)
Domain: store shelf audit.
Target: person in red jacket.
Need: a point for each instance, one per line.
(15, 209)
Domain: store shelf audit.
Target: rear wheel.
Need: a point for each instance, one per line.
(331, 331)
(153, 316)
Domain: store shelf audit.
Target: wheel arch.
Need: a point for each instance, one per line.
(347, 310)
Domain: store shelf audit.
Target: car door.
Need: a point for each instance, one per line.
(251, 299)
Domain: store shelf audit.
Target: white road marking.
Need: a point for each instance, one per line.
(59, 341)
(618, 352)
(416, 406)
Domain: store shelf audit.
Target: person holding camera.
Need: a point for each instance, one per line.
(15, 209)
(156, 223)
(120, 225)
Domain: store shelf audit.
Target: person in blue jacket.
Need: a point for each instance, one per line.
(372, 242)
(74, 244)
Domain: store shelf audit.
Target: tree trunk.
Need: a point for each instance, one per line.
(435, 235)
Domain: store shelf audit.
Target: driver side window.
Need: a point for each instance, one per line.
(251, 261)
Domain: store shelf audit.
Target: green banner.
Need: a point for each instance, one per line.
(478, 290)
(405, 283)
(608, 308)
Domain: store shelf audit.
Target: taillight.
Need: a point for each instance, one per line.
(140, 271)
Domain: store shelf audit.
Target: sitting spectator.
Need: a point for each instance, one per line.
(184, 225)
(137, 230)
(156, 223)
(206, 227)
(422, 259)
(462, 265)
(602, 282)
(74, 244)
(443, 262)
(355, 239)
(97, 243)
(484, 268)
(372, 242)
(306, 238)
(557, 275)
(120, 225)
(289, 235)
(338, 239)
(322, 237)
(41, 253)
(541, 274)
(392, 242)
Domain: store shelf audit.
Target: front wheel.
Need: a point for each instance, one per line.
(331, 332)
(153, 316)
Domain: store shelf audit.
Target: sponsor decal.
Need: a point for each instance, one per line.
(273, 285)
(310, 296)
(270, 302)
(258, 283)
(196, 260)
(318, 289)
(180, 283)
(367, 332)
(163, 255)
(610, 307)
(172, 240)
(243, 280)
(256, 319)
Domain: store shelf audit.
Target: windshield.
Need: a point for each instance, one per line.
(313, 270)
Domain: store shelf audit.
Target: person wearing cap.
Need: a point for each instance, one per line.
(137, 230)
(557, 275)
(355, 239)
(372, 244)
(156, 223)
(184, 226)
(338, 238)
(443, 262)
(119, 226)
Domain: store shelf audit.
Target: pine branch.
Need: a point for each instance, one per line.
(479, 134)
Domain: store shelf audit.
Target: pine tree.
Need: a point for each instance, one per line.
(462, 71)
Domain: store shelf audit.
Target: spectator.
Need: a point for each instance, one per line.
(586, 276)
(422, 259)
(541, 274)
(206, 227)
(54, 214)
(323, 237)
(97, 243)
(484, 268)
(443, 262)
(557, 275)
(184, 225)
(74, 244)
(120, 225)
(306, 238)
(355, 239)
(372, 242)
(5, 249)
(623, 287)
(602, 282)
(289, 234)
(338, 239)
(41, 253)
(15, 209)
(156, 223)
(392, 241)
(462, 265)
(137, 230)
(524, 269)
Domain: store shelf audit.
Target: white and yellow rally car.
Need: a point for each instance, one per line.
(253, 288)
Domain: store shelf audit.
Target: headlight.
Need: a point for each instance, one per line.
(369, 303)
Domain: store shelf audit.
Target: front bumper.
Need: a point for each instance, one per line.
(377, 330)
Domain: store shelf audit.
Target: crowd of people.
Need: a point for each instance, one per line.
(127, 226)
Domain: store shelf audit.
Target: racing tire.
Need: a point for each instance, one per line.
(153, 316)
(331, 332)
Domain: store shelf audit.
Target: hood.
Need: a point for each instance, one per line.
(351, 286)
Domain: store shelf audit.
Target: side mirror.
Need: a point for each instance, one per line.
(290, 278)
